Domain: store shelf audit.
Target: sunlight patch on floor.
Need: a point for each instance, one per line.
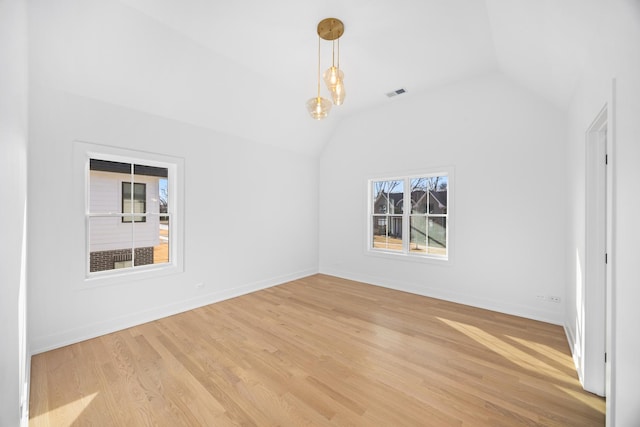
(508, 351)
(547, 351)
(590, 400)
(65, 414)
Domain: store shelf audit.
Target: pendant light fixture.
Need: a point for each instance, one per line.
(330, 29)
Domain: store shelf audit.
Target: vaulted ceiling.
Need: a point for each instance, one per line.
(247, 67)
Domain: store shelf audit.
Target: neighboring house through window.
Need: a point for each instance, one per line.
(410, 215)
(136, 202)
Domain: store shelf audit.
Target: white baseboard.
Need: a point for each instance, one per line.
(570, 338)
(421, 289)
(24, 400)
(574, 354)
(85, 332)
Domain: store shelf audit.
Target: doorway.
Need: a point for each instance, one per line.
(596, 257)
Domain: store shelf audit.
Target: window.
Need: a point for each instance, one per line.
(409, 215)
(129, 214)
(136, 202)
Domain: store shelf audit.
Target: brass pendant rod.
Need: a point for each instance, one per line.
(333, 53)
(318, 67)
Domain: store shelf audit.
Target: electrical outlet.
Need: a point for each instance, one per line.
(548, 298)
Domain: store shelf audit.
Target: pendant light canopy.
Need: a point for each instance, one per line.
(330, 29)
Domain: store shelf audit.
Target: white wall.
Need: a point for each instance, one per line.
(13, 196)
(615, 53)
(112, 51)
(250, 218)
(506, 148)
(251, 209)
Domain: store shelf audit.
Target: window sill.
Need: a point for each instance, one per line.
(398, 256)
(114, 277)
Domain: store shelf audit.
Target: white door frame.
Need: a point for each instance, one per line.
(610, 326)
(593, 340)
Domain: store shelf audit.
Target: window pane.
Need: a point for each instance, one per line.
(104, 189)
(395, 230)
(388, 197)
(418, 242)
(419, 195)
(161, 250)
(437, 183)
(387, 232)
(438, 202)
(380, 200)
(437, 232)
(380, 232)
(163, 197)
(396, 196)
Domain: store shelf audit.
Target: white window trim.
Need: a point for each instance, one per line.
(407, 255)
(83, 152)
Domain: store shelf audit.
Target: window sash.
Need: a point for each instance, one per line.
(133, 197)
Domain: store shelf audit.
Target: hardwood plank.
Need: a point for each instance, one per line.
(319, 351)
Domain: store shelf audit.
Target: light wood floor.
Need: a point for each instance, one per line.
(318, 351)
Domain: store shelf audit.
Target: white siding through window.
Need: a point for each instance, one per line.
(106, 196)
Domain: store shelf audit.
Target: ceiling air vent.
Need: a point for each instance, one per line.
(396, 92)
